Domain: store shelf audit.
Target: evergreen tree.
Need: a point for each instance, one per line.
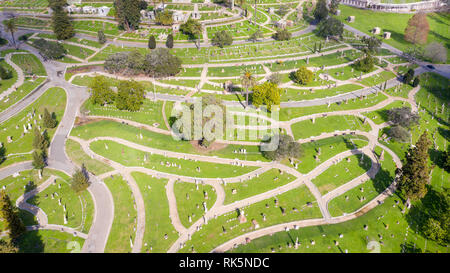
(101, 92)
(416, 81)
(128, 13)
(62, 26)
(169, 41)
(408, 77)
(415, 173)
(80, 180)
(38, 160)
(130, 95)
(321, 11)
(40, 141)
(152, 42)
(49, 120)
(101, 37)
(222, 38)
(8, 212)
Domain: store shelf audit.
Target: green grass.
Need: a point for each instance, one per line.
(212, 235)
(131, 157)
(124, 216)
(341, 173)
(54, 99)
(378, 78)
(23, 90)
(78, 51)
(30, 64)
(190, 201)
(266, 181)
(352, 200)
(306, 128)
(49, 241)
(291, 94)
(399, 91)
(380, 116)
(157, 221)
(79, 157)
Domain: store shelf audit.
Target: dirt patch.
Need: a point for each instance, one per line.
(79, 121)
(83, 69)
(213, 147)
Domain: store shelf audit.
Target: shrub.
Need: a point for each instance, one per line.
(282, 35)
(50, 50)
(222, 38)
(302, 75)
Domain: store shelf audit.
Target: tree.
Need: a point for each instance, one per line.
(275, 78)
(61, 24)
(334, 5)
(80, 180)
(372, 44)
(130, 95)
(38, 159)
(10, 213)
(247, 81)
(101, 37)
(417, 29)
(160, 63)
(7, 247)
(5, 74)
(286, 147)
(11, 27)
(302, 76)
(255, 36)
(164, 18)
(49, 119)
(128, 13)
(399, 133)
(169, 41)
(152, 42)
(436, 52)
(40, 141)
(403, 116)
(321, 11)
(282, 35)
(407, 78)
(365, 64)
(415, 173)
(330, 27)
(193, 29)
(222, 38)
(434, 231)
(416, 81)
(267, 93)
(50, 50)
(101, 92)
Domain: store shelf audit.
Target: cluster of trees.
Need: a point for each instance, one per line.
(152, 41)
(14, 224)
(222, 38)
(41, 143)
(437, 225)
(409, 78)
(302, 76)
(129, 96)
(49, 50)
(157, 63)
(11, 27)
(267, 93)
(80, 180)
(282, 35)
(371, 46)
(193, 29)
(61, 23)
(402, 119)
(284, 148)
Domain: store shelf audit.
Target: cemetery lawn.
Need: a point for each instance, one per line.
(23, 90)
(306, 128)
(128, 156)
(366, 20)
(124, 223)
(48, 241)
(380, 116)
(265, 182)
(291, 94)
(29, 63)
(54, 99)
(6, 84)
(337, 174)
(157, 220)
(212, 234)
(79, 157)
(402, 91)
(188, 206)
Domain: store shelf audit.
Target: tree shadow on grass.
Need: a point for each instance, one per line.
(30, 242)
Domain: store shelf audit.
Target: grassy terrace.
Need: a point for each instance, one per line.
(357, 197)
(294, 203)
(264, 182)
(131, 157)
(6, 84)
(48, 241)
(30, 64)
(380, 116)
(157, 221)
(341, 173)
(190, 201)
(23, 90)
(308, 128)
(124, 223)
(159, 141)
(54, 99)
(290, 94)
(78, 156)
(370, 100)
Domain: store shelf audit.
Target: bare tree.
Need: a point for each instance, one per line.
(436, 52)
(417, 29)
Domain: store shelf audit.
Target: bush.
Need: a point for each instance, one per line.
(50, 50)
(169, 41)
(152, 42)
(275, 78)
(330, 27)
(408, 77)
(399, 133)
(101, 37)
(5, 74)
(302, 75)
(282, 35)
(222, 38)
(365, 64)
(164, 18)
(286, 147)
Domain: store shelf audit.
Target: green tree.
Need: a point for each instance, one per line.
(247, 81)
(130, 95)
(11, 27)
(152, 42)
(101, 92)
(434, 231)
(372, 44)
(49, 49)
(101, 37)
(302, 76)
(5, 74)
(160, 63)
(408, 77)
(61, 24)
(403, 116)
(40, 141)
(49, 119)
(330, 27)
(321, 11)
(365, 64)
(267, 93)
(193, 29)
(415, 173)
(286, 147)
(7, 247)
(14, 224)
(80, 180)
(38, 159)
(256, 35)
(164, 18)
(333, 6)
(128, 13)
(222, 38)
(282, 35)
(169, 41)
